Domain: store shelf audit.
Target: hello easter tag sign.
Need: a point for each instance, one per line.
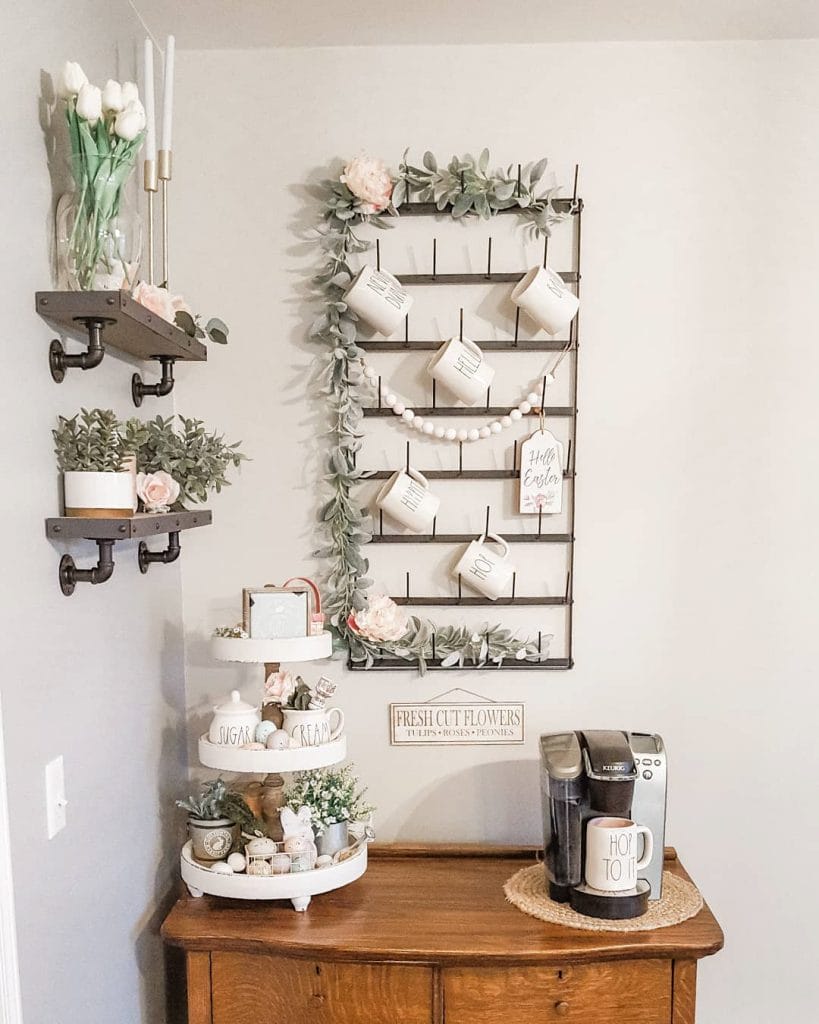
(541, 473)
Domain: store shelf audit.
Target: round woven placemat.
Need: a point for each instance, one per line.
(526, 890)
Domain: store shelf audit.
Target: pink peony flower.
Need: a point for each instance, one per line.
(369, 180)
(381, 621)
(279, 686)
(158, 491)
(157, 299)
(178, 305)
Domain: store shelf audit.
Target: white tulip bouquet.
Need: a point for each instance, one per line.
(106, 129)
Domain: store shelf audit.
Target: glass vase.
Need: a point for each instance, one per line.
(99, 233)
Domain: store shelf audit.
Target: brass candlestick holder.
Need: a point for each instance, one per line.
(151, 186)
(165, 173)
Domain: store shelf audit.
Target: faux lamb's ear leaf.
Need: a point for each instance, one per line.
(399, 193)
(430, 162)
(217, 330)
(184, 320)
(483, 160)
(538, 171)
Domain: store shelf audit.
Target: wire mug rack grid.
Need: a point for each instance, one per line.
(516, 344)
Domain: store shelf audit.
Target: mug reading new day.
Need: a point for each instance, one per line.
(611, 853)
(378, 298)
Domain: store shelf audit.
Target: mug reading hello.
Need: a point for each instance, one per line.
(484, 569)
(542, 294)
(460, 365)
(378, 298)
(611, 853)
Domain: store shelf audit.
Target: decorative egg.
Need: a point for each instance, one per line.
(263, 730)
(237, 861)
(221, 867)
(252, 746)
(324, 861)
(260, 847)
(259, 867)
(280, 864)
(277, 740)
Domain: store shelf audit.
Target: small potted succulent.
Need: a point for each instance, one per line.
(216, 820)
(94, 460)
(334, 799)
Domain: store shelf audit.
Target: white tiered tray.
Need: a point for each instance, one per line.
(300, 648)
(295, 759)
(298, 887)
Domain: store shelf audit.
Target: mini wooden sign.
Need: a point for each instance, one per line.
(457, 717)
(541, 473)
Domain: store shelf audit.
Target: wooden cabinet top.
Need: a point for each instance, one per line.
(440, 904)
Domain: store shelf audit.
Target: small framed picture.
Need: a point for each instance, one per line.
(276, 613)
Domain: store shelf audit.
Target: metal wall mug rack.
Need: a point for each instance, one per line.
(570, 348)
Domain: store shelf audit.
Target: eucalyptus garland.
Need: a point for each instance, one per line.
(366, 193)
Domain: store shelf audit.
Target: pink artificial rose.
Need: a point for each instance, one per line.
(279, 686)
(381, 621)
(158, 491)
(157, 299)
(370, 182)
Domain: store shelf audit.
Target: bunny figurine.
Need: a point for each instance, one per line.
(298, 833)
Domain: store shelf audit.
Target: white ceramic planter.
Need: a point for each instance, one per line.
(99, 495)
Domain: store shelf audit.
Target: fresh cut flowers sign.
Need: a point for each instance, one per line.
(457, 717)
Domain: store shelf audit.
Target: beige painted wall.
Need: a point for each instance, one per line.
(696, 552)
(97, 677)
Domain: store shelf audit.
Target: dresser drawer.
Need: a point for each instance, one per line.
(261, 989)
(629, 992)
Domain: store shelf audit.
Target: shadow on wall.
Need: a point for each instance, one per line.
(172, 776)
(501, 799)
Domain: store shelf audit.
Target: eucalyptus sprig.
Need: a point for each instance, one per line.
(467, 186)
(456, 646)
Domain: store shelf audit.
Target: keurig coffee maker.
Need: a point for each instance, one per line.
(596, 774)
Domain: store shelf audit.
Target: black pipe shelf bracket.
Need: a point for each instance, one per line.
(105, 532)
(112, 319)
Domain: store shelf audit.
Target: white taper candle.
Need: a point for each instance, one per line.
(150, 109)
(167, 96)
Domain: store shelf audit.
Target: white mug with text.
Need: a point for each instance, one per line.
(483, 568)
(542, 294)
(407, 498)
(460, 365)
(611, 853)
(379, 299)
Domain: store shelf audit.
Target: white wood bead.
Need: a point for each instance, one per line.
(495, 427)
(506, 421)
(408, 415)
(550, 378)
(418, 422)
(525, 407)
(429, 428)
(484, 432)
(390, 399)
(440, 433)
(515, 414)
(398, 408)
(473, 434)
(450, 433)
(463, 435)
(533, 398)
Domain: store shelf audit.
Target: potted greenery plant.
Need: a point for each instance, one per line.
(196, 460)
(216, 820)
(334, 799)
(93, 458)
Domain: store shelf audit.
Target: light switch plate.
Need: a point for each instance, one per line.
(56, 802)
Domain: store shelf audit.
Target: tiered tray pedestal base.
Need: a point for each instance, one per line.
(297, 887)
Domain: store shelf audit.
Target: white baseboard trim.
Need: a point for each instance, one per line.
(11, 1011)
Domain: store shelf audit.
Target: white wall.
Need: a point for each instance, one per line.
(696, 554)
(97, 677)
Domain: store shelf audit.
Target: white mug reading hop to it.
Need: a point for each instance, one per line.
(542, 294)
(379, 299)
(611, 853)
(460, 365)
(485, 570)
(406, 497)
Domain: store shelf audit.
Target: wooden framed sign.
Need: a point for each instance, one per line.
(457, 717)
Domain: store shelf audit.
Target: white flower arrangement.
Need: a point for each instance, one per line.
(332, 796)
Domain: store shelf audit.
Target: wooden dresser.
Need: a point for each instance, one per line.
(426, 937)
